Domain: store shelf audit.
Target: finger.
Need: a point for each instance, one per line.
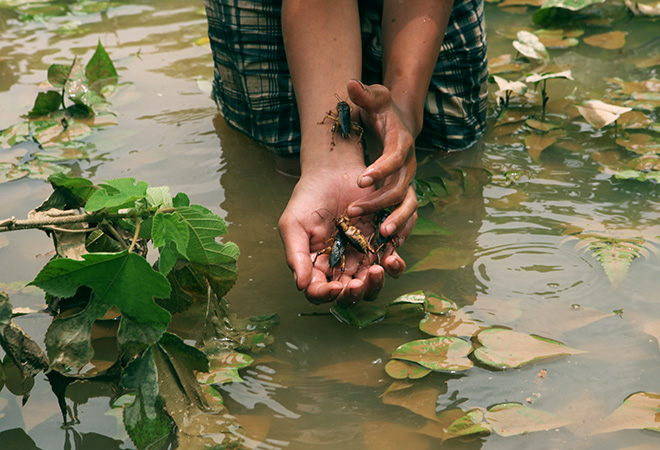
(392, 193)
(320, 290)
(373, 99)
(296, 248)
(373, 282)
(402, 218)
(351, 294)
(394, 265)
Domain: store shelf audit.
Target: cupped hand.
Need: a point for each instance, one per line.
(395, 169)
(306, 227)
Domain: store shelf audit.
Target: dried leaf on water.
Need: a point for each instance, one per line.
(529, 45)
(504, 348)
(444, 258)
(536, 143)
(639, 143)
(599, 114)
(456, 323)
(610, 41)
(638, 412)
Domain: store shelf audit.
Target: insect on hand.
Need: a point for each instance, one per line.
(381, 242)
(342, 119)
(345, 233)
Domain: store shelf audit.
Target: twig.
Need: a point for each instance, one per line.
(12, 224)
(109, 229)
(136, 235)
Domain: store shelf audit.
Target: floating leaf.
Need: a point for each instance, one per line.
(359, 315)
(572, 5)
(425, 227)
(470, 423)
(638, 412)
(223, 368)
(529, 45)
(615, 254)
(536, 143)
(419, 398)
(600, 114)
(10, 172)
(558, 38)
(401, 370)
(100, 71)
(503, 64)
(610, 41)
(505, 348)
(440, 354)
(444, 258)
(456, 323)
(511, 419)
(630, 87)
(640, 143)
(46, 103)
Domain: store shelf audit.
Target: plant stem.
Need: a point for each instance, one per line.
(12, 224)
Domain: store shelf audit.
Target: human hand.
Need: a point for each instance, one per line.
(396, 131)
(307, 223)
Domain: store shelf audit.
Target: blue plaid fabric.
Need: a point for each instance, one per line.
(254, 93)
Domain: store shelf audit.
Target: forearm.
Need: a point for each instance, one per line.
(323, 48)
(412, 35)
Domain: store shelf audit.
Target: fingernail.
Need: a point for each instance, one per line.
(364, 88)
(355, 211)
(295, 280)
(389, 229)
(365, 181)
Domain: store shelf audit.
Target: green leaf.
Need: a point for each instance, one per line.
(359, 315)
(503, 348)
(472, 422)
(100, 71)
(144, 419)
(171, 236)
(46, 103)
(416, 297)
(116, 194)
(58, 74)
(68, 192)
(401, 370)
(124, 280)
(440, 354)
(638, 412)
(425, 227)
(133, 337)
(159, 197)
(511, 419)
(631, 174)
(217, 262)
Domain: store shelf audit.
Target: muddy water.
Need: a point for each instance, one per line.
(322, 383)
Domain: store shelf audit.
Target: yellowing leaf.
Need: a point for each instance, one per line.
(402, 370)
(600, 114)
(638, 412)
(441, 354)
(511, 419)
(504, 348)
(444, 258)
(456, 323)
(536, 143)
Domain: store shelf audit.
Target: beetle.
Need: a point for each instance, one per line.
(345, 233)
(378, 239)
(342, 119)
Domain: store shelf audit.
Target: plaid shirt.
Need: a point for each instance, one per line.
(254, 92)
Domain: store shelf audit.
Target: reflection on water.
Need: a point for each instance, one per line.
(322, 384)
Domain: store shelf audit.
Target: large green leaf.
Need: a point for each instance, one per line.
(171, 236)
(46, 103)
(68, 192)
(116, 194)
(124, 280)
(504, 348)
(440, 354)
(553, 11)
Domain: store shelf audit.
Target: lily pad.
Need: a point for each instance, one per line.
(402, 370)
(504, 348)
(440, 354)
(511, 419)
(610, 41)
(529, 45)
(638, 412)
(599, 114)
